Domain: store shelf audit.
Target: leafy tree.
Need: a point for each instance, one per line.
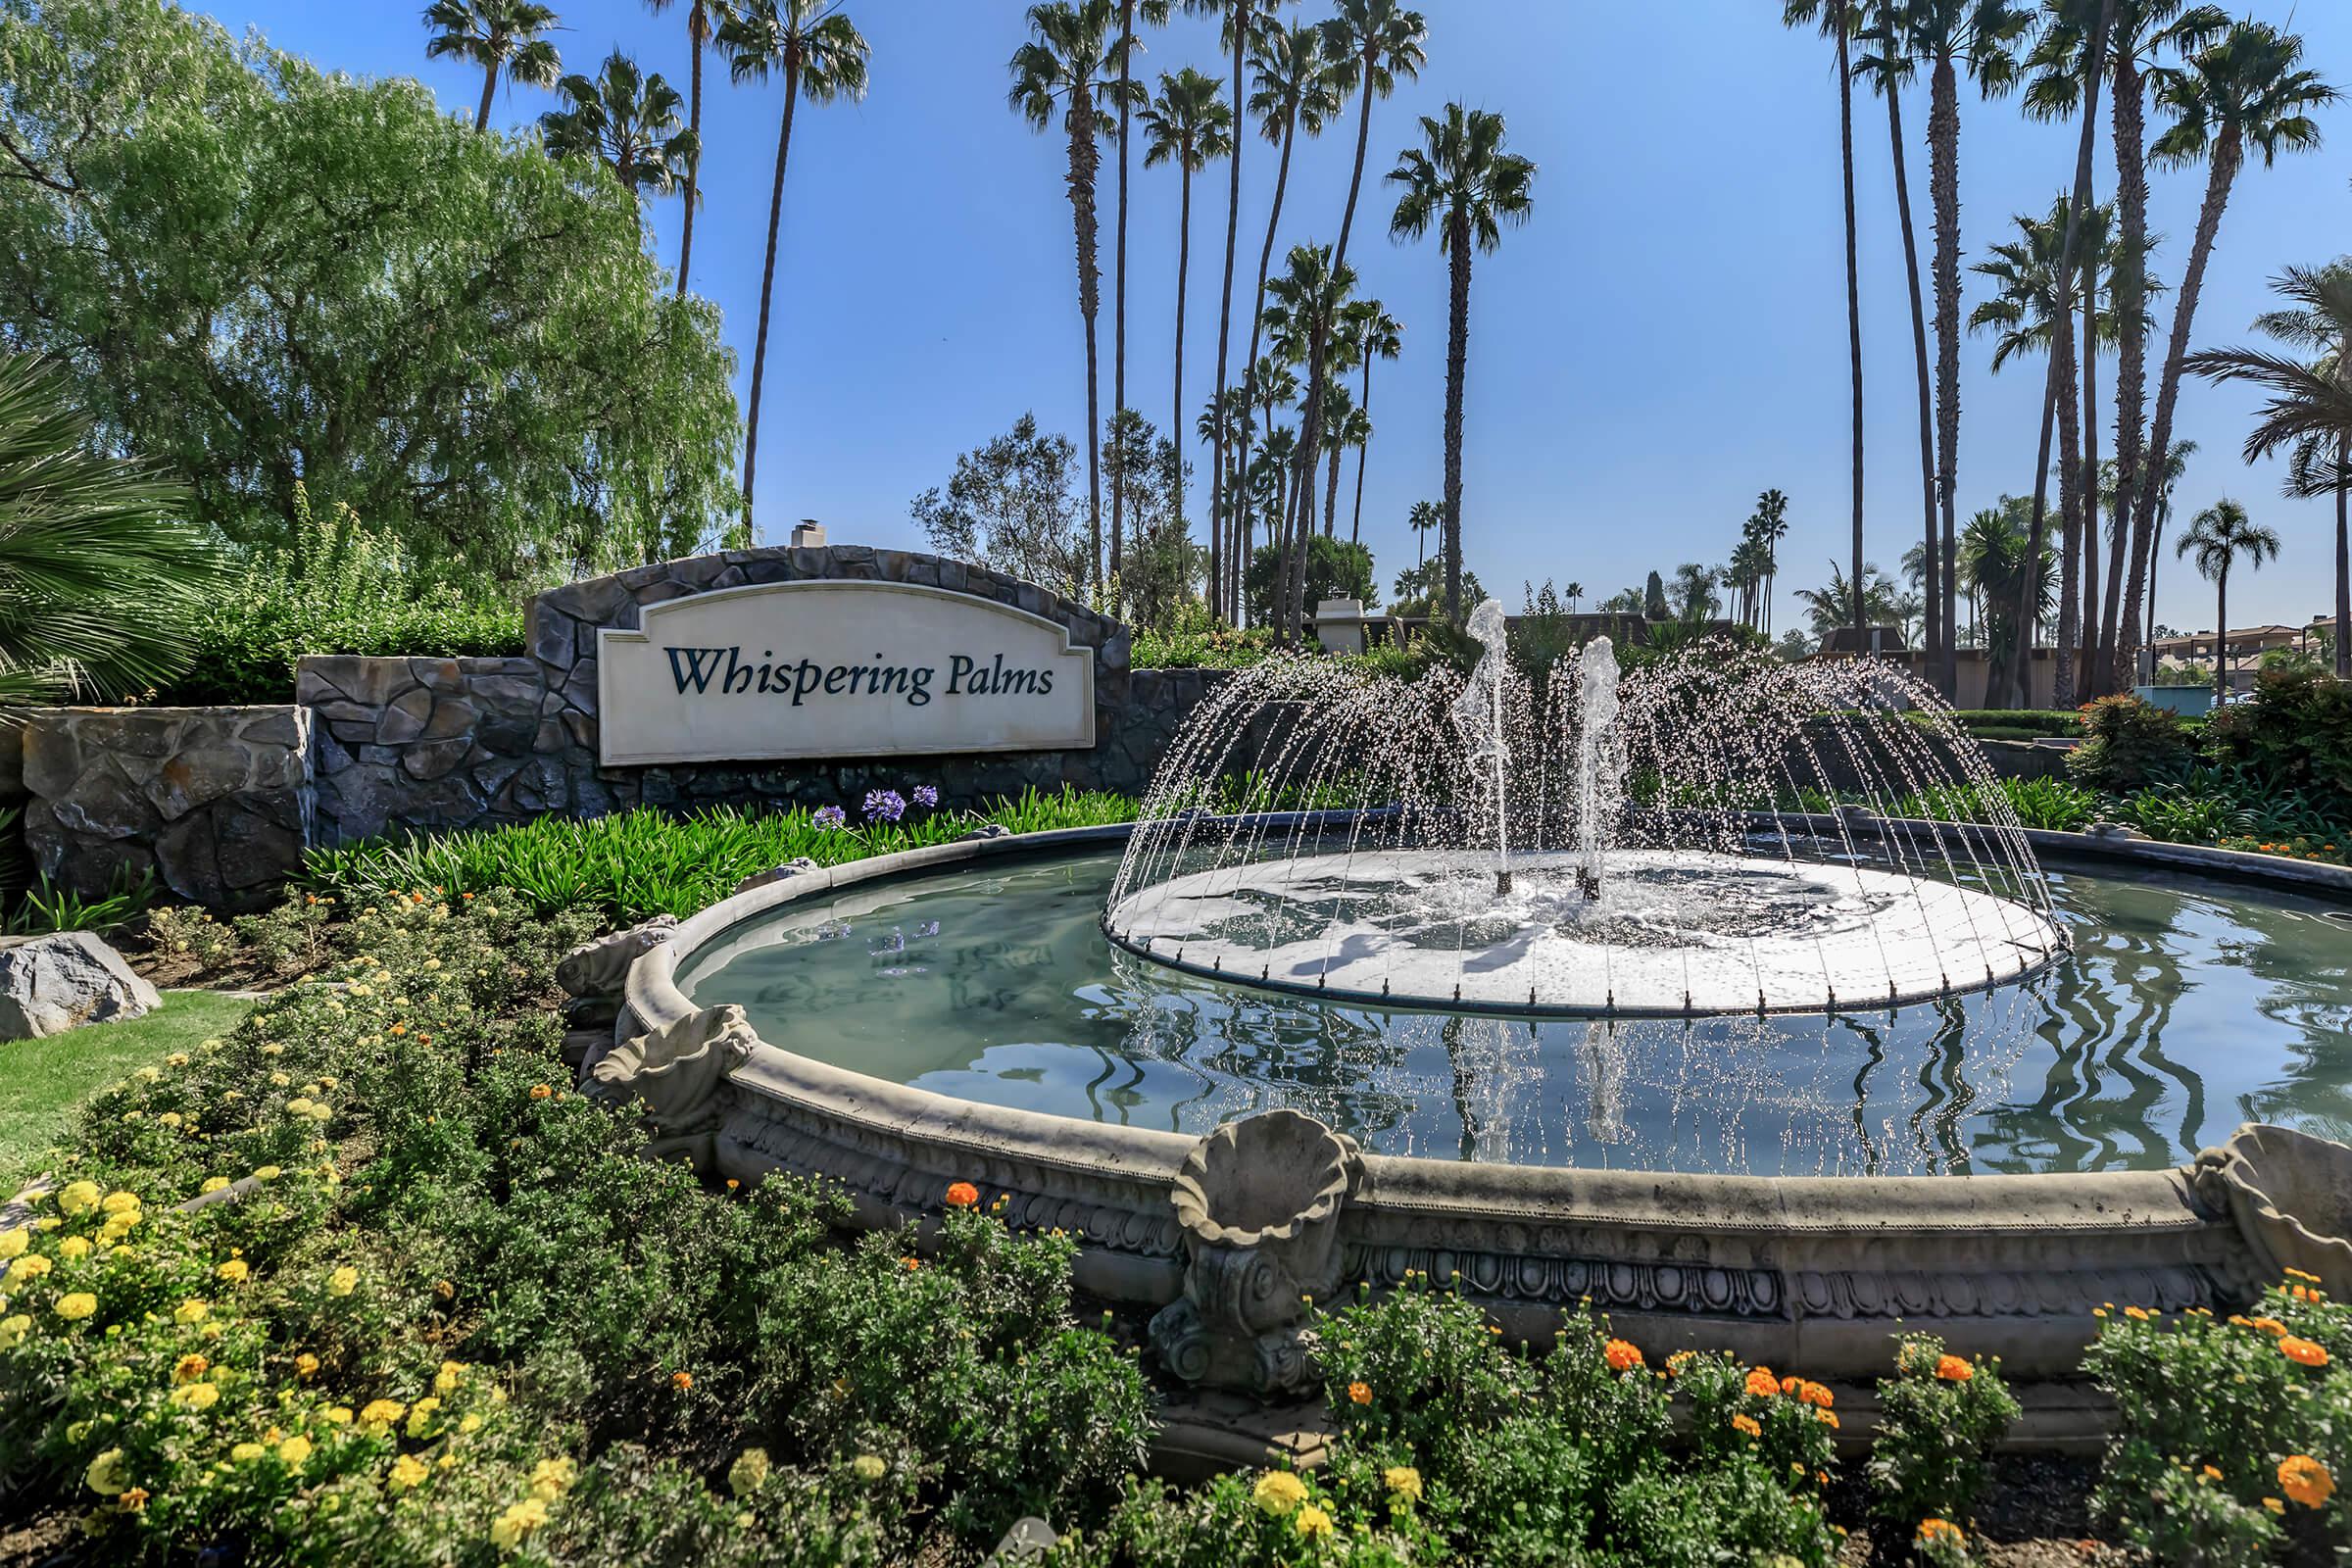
(1188, 126)
(1831, 605)
(1336, 568)
(98, 571)
(491, 33)
(1463, 184)
(819, 51)
(2221, 537)
(626, 121)
(1653, 598)
(2310, 411)
(453, 334)
(1008, 507)
(1144, 471)
(1695, 597)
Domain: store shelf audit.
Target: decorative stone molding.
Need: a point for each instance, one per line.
(1260, 1202)
(2291, 1196)
(216, 803)
(675, 1070)
(600, 969)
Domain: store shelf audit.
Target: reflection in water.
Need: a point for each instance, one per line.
(2183, 1009)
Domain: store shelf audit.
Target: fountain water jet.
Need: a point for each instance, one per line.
(1680, 838)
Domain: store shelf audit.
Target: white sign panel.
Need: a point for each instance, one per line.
(830, 669)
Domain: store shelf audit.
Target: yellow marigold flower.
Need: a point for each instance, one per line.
(408, 1472)
(1952, 1369)
(868, 1467)
(1623, 1355)
(170, 1118)
(295, 1451)
(298, 1106)
(320, 1110)
(267, 1173)
(75, 1305)
(2303, 1352)
(469, 1424)
(235, 1271)
(336, 1415)
(177, 1059)
(12, 1330)
(119, 1203)
(1762, 1383)
(1746, 1426)
(421, 1417)
(104, 1473)
(1402, 1480)
(1359, 1393)
(2138, 1314)
(190, 1368)
(12, 1243)
(446, 1380)
(1311, 1522)
(190, 1312)
(2306, 1481)
(518, 1522)
(73, 1249)
(28, 1267)
(2273, 1504)
(1278, 1492)
(343, 1281)
(247, 1452)
(306, 1366)
(551, 1478)
(748, 1471)
(1934, 1529)
(197, 1396)
(383, 1412)
(79, 1197)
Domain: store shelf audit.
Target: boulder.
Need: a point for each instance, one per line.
(53, 983)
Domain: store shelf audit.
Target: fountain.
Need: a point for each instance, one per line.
(1710, 831)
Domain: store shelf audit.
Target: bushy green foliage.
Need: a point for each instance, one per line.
(636, 864)
(1939, 1416)
(451, 1309)
(2027, 720)
(45, 907)
(1195, 639)
(335, 587)
(2234, 1437)
(2127, 744)
(2296, 734)
(1336, 568)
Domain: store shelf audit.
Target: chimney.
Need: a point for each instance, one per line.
(808, 534)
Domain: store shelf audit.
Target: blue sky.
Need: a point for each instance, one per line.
(1666, 338)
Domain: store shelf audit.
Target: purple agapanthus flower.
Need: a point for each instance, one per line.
(926, 795)
(831, 816)
(884, 805)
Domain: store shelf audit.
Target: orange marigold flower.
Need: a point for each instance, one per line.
(962, 1195)
(681, 1381)
(540, 1091)
(2138, 1314)
(1762, 1383)
(1954, 1370)
(1828, 1418)
(1623, 1355)
(912, 1264)
(1931, 1529)
(2306, 1481)
(1746, 1426)
(1359, 1393)
(1817, 1395)
(2303, 1352)
(2270, 1326)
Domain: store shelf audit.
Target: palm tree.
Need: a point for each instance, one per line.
(97, 570)
(817, 50)
(1345, 427)
(700, 25)
(1368, 332)
(1294, 88)
(2310, 410)
(626, 121)
(1888, 68)
(1306, 299)
(2218, 536)
(1463, 184)
(1189, 126)
(2246, 88)
(1423, 516)
(1156, 13)
(2004, 576)
(1769, 526)
(492, 33)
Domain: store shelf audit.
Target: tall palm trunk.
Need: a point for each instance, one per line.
(2228, 151)
(2093, 675)
(1225, 593)
(1938, 631)
(1183, 267)
(1257, 305)
(2131, 560)
(1457, 362)
(1355, 528)
(1084, 158)
(1854, 311)
(2221, 635)
(767, 290)
(1119, 309)
(698, 28)
(1330, 492)
(2071, 513)
(481, 116)
(1943, 197)
(2343, 563)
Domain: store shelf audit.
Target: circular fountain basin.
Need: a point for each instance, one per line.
(1664, 933)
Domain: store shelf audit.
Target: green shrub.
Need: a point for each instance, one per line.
(1195, 639)
(2022, 720)
(2234, 1437)
(46, 906)
(1939, 1416)
(2296, 734)
(2128, 744)
(185, 931)
(336, 589)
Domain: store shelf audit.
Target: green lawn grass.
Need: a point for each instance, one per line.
(42, 1081)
